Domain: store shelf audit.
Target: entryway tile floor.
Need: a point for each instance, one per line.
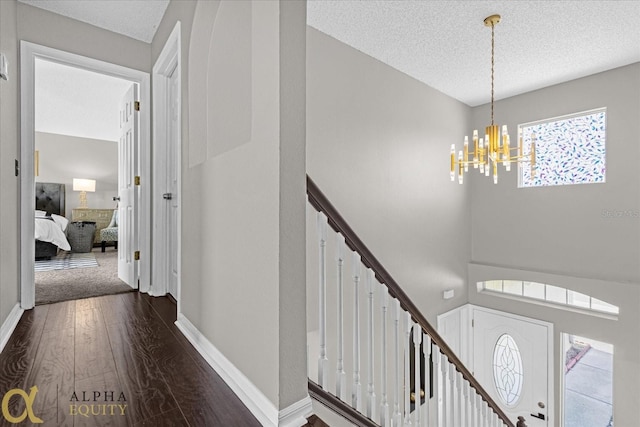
(589, 390)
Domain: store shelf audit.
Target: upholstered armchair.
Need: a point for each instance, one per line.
(110, 233)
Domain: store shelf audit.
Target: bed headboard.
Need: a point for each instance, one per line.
(50, 198)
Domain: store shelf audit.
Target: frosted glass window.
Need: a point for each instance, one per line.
(512, 287)
(507, 370)
(569, 150)
(533, 290)
(556, 294)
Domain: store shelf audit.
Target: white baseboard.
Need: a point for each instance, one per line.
(9, 325)
(259, 405)
(296, 415)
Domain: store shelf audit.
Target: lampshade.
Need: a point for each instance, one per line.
(84, 184)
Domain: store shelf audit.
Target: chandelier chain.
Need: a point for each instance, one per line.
(492, 64)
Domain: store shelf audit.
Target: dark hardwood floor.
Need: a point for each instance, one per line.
(115, 360)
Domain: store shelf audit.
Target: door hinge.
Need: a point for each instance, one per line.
(473, 323)
(136, 180)
(136, 255)
(136, 105)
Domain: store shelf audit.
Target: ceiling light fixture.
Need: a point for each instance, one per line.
(495, 147)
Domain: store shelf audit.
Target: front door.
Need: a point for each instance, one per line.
(511, 361)
(127, 208)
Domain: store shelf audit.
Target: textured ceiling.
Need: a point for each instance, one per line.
(137, 19)
(76, 102)
(442, 43)
(446, 45)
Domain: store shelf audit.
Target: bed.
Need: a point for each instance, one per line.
(50, 223)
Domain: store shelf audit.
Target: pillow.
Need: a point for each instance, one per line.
(60, 220)
(114, 219)
(41, 213)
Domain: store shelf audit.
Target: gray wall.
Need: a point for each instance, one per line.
(562, 229)
(559, 235)
(378, 147)
(9, 150)
(64, 157)
(243, 198)
(52, 30)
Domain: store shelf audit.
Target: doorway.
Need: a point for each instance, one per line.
(140, 162)
(167, 137)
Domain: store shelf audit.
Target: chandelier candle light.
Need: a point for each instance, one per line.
(495, 147)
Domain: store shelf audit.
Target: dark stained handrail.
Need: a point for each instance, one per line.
(320, 202)
(338, 406)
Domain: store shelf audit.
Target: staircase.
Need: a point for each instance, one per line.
(372, 352)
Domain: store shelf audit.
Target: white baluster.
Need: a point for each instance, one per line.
(487, 415)
(341, 376)
(461, 403)
(453, 394)
(472, 407)
(371, 395)
(417, 339)
(437, 380)
(407, 363)
(465, 402)
(480, 406)
(496, 419)
(384, 404)
(356, 393)
(444, 368)
(397, 416)
(323, 362)
(426, 351)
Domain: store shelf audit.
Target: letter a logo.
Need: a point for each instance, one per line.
(28, 400)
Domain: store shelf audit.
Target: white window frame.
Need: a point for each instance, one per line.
(481, 286)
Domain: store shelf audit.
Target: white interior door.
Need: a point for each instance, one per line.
(127, 190)
(511, 361)
(173, 157)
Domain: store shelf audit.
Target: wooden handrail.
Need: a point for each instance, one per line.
(338, 406)
(320, 202)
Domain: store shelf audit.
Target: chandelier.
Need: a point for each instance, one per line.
(487, 153)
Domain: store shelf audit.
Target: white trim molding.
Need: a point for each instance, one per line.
(259, 405)
(296, 415)
(9, 325)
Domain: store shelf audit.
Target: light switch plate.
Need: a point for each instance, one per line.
(448, 294)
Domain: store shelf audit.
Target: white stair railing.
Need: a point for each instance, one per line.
(421, 382)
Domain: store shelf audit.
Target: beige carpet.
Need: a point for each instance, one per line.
(77, 283)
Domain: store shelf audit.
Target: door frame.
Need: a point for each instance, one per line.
(170, 59)
(551, 358)
(28, 53)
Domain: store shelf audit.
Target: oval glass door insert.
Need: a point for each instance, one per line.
(507, 370)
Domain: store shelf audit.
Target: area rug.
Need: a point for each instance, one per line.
(63, 285)
(67, 261)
